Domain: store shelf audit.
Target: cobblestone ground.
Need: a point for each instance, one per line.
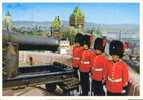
(41, 91)
(28, 91)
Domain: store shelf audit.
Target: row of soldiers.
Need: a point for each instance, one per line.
(94, 64)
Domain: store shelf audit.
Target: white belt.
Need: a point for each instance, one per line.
(98, 69)
(76, 58)
(116, 80)
(85, 62)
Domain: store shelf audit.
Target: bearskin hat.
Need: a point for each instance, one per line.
(79, 39)
(98, 44)
(116, 48)
(86, 40)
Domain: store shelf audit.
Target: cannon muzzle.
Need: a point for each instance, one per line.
(27, 42)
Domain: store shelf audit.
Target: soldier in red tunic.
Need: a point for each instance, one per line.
(85, 65)
(76, 52)
(117, 71)
(98, 68)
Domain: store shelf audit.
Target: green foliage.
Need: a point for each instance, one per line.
(33, 33)
(96, 32)
(70, 36)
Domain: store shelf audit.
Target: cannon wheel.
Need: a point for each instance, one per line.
(50, 87)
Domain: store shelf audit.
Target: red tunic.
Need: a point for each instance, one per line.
(98, 68)
(117, 76)
(76, 56)
(86, 58)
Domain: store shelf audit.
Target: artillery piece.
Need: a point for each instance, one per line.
(51, 75)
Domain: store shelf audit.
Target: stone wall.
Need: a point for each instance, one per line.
(41, 58)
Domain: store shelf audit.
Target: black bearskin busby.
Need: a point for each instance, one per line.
(98, 44)
(86, 40)
(116, 48)
(79, 39)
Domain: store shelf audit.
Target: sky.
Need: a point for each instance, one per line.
(100, 13)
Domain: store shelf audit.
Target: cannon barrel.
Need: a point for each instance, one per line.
(13, 42)
(27, 42)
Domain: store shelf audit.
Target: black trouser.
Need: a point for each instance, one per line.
(97, 88)
(76, 75)
(126, 89)
(114, 94)
(85, 84)
(76, 72)
(119, 94)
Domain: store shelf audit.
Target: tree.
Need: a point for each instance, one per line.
(68, 33)
(96, 32)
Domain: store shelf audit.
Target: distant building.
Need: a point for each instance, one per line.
(7, 21)
(77, 19)
(64, 47)
(55, 27)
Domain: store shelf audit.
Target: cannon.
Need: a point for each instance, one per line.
(51, 75)
(13, 42)
(27, 42)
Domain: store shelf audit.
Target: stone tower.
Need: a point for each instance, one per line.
(7, 22)
(77, 19)
(55, 27)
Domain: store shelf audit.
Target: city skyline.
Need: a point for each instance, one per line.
(100, 13)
